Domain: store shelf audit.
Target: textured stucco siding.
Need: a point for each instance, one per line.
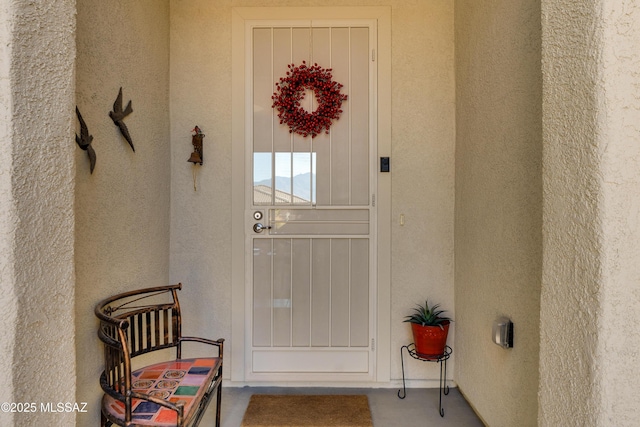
(36, 208)
(498, 220)
(422, 160)
(201, 220)
(7, 214)
(570, 372)
(123, 208)
(619, 355)
(589, 362)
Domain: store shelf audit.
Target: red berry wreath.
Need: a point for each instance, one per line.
(291, 90)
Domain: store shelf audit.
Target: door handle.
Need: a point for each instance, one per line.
(258, 227)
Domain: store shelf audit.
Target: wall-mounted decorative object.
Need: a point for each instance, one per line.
(118, 114)
(197, 157)
(84, 141)
(196, 140)
(291, 91)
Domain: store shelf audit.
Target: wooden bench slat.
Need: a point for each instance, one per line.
(156, 326)
(165, 325)
(133, 334)
(147, 344)
(140, 331)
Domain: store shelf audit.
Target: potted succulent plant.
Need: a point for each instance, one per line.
(430, 329)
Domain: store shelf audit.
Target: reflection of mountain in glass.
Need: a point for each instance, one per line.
(301, 185)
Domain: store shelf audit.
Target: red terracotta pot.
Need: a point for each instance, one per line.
(430, 340)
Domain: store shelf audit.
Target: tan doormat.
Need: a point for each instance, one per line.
(266, 410)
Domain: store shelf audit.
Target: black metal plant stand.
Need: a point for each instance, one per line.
(441, 359)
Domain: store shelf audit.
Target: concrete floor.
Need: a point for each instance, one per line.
(419, 408)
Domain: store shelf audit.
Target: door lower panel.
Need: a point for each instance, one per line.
(311, 361)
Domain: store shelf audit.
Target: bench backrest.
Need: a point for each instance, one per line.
(135, 323)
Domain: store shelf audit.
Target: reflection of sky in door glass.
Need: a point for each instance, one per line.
(294, 173)
(304, 178)
(261, 167)
(283, 177)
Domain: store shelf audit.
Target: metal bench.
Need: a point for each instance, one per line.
(171, 393)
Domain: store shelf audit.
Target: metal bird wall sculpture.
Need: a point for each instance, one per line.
(84, 141)
(117, 115)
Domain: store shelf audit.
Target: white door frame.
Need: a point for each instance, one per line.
(383, 197)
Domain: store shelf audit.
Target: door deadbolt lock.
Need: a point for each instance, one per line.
(258, 227)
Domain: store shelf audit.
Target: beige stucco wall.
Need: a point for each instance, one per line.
(422, 160)
(592, 179)
(122, 209)
(572, 274)
(201, 220)
(8, 217)
(619, 356)
(37, 362)
(498, 216)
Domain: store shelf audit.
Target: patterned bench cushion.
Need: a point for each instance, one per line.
(181, 380)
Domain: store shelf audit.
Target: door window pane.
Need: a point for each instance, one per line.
(284, 179)
(262, 179)
(304, 178)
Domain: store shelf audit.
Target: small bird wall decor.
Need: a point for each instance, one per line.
(117, 115)
(84, 141)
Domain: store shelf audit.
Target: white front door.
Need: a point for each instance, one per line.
(310, 264)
